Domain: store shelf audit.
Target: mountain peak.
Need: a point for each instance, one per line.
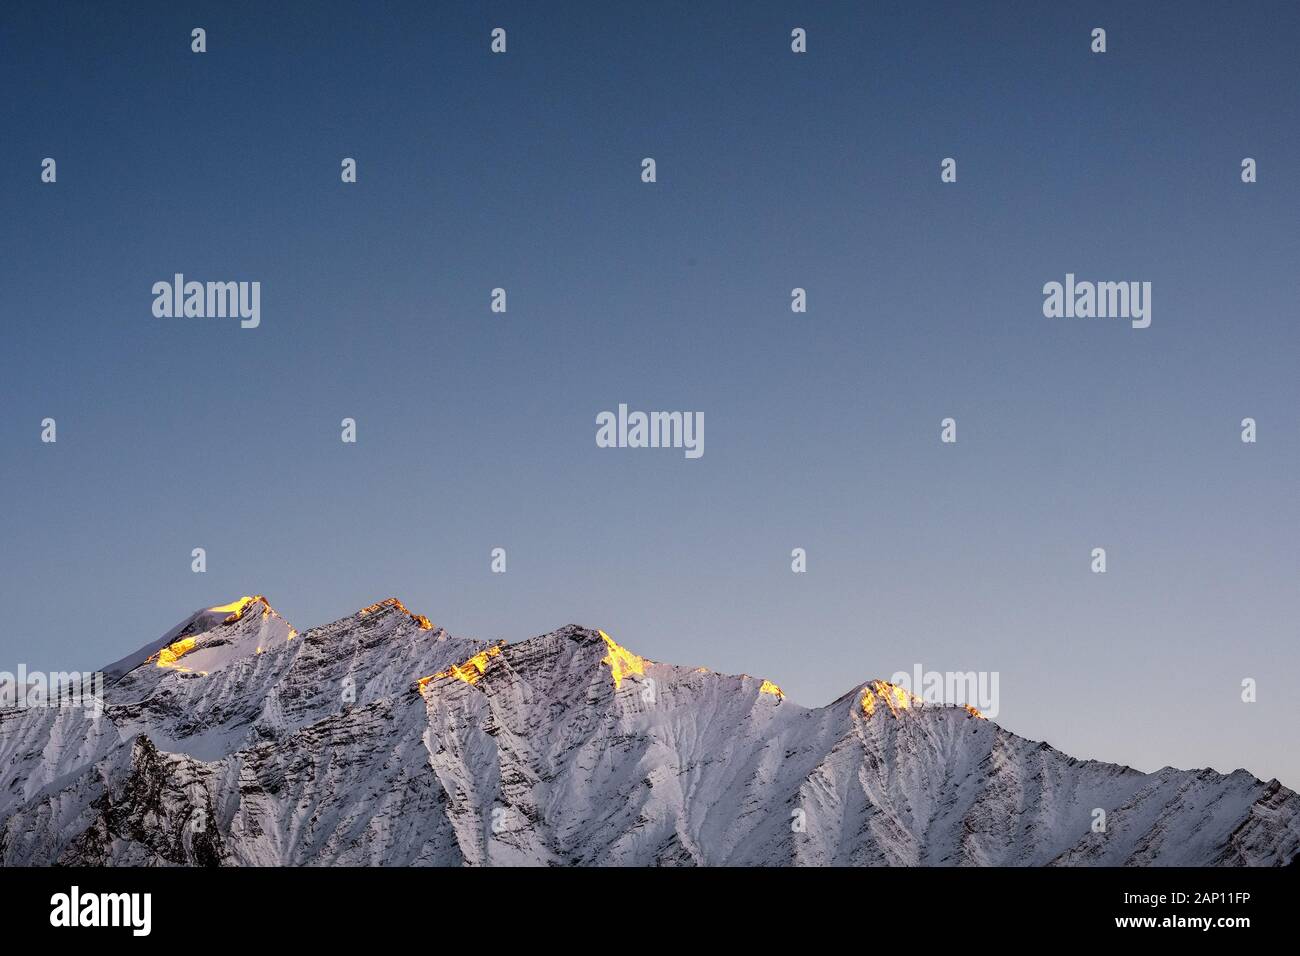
(891, 695)
(189, 633)
(396, 605)
(200, 646)
(896, 699)
(621, 661)
(238, 608)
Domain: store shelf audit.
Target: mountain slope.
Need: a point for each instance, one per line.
(379, 739)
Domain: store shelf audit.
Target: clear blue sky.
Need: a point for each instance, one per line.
(775, 170)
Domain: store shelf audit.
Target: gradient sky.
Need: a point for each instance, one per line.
(822, 430)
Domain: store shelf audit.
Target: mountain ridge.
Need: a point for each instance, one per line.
(380, 739)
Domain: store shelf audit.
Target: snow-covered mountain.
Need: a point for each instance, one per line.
(381, 739)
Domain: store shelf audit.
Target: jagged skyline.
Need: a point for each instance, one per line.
(380, 740)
